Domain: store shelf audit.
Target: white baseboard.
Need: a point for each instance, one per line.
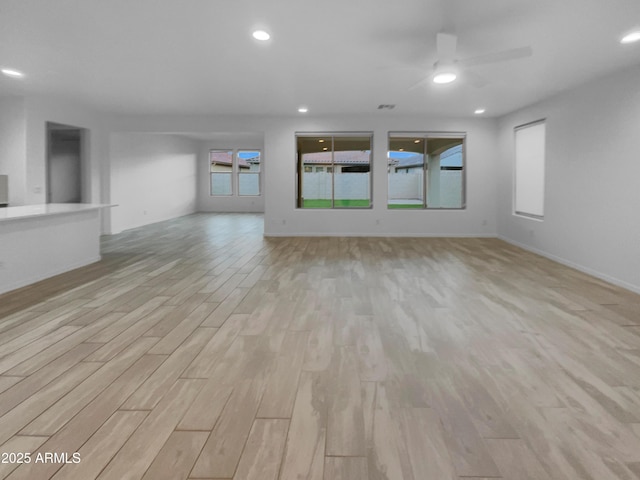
(594, 273)
(381, 235)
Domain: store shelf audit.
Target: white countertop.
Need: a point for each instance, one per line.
(28, 211)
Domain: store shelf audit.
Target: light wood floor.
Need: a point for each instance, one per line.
(199, 349)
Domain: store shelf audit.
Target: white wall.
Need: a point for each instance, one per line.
(23, 148)
(153, 178)
(282, 218)
(13, 146)
(39, 111)
(592, 193)
(229, 141)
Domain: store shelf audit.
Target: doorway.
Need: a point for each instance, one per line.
(65, 159)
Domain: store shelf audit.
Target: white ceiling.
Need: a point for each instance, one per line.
(336, 56)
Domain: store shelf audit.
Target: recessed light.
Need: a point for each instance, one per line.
(10, 72)
(261, 35)
(631, 37)
(321, 140)
(444, 77)
(325, 148)
(401, 149)
(416, 141)
(303, 109)
(479, 111)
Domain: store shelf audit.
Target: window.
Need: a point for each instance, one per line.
(248, 172)
(239, 172)
(529, 169)
(334, 170)
(426, 170)
(221, 172)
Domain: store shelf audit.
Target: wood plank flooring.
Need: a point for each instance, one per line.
(197, 349)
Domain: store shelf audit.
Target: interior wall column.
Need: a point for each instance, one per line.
(433, 181)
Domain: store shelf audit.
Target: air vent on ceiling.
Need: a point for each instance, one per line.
(384, 106)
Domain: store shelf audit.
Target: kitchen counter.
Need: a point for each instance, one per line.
(41, 241)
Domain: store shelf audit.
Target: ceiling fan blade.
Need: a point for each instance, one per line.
(474, 79)
(446, 43)
(496, 57)
(421, 83)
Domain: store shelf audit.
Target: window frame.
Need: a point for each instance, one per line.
(425, 136)
(235, 172)
(300, 168)
(232, 190)
(259, 172)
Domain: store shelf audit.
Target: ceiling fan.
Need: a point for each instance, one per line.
(447, 68)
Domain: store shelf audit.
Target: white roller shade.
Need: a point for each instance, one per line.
(529, 169)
